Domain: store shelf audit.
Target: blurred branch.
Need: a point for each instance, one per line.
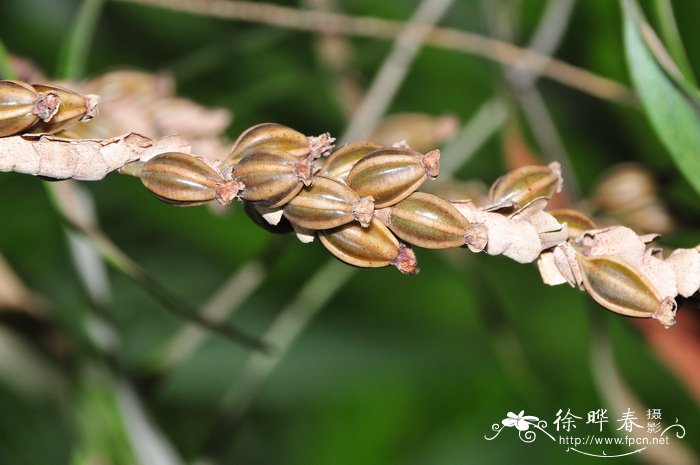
(448, 38)
(74, 52)
(545, 40)
(123, 263)
(222, 305)
(391, 74)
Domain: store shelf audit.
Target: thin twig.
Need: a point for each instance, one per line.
(448, 38)
(394, 69)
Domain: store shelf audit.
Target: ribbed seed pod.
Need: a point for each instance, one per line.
(371, 247)
(72, 108)
(17, 107)
(271, 177)
(525, 184)
(428, 221)
(615, 285)
(390, 175)
(328, 204)
(578, 222)
(269, 136)
(180, 179)
(339, 163)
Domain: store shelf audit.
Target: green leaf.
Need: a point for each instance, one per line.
(669, 100)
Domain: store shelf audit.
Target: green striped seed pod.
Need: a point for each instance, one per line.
(72, 108)
(272, 177)
(180, 179)
(577, 222)
(371, 247)
(428, 221)
(21, 107)
(392, 174)
(617, 286)
(339, 163)
(328, 204)
(525, 184)
(268, 136)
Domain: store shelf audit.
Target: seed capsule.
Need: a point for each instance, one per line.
(272, 177)
(17, 107)
(615, 285)
(180, 179)
(327, 204)
(525, 184)
(371, 247)
(269, 136)
(339, 163)
(428, 221)
(72, 108)
(577, 222)
(390, 175)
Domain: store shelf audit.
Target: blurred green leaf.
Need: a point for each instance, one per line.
(674, 112)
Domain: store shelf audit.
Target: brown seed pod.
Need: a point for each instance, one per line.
(180, 179)
(578, 222)
(72, 108)
(615, 285)
(428, 221)
(269, 136)
(392, 174)
(371, 247)
(525, 184)
(339, 163)
(327, 204)
(21, 107)
(271, 177)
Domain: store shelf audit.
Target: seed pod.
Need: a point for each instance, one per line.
(72, 108)
(271, 177)
(390, 175)
(269, 136)
(525, 184)
(19, 107)
(371, 247)
(339, 163)
(578, 222)
(327, 204)
(180, 179)
(615, 285)
(428, 221)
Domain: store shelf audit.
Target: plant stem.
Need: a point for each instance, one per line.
(672, 38)
(74, 52)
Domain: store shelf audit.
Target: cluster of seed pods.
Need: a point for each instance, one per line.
(359, 200)
(362, 202)
(41, 108)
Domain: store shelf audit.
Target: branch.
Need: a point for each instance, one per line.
(448, 38)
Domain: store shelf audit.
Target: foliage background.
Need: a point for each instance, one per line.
(394, 369)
